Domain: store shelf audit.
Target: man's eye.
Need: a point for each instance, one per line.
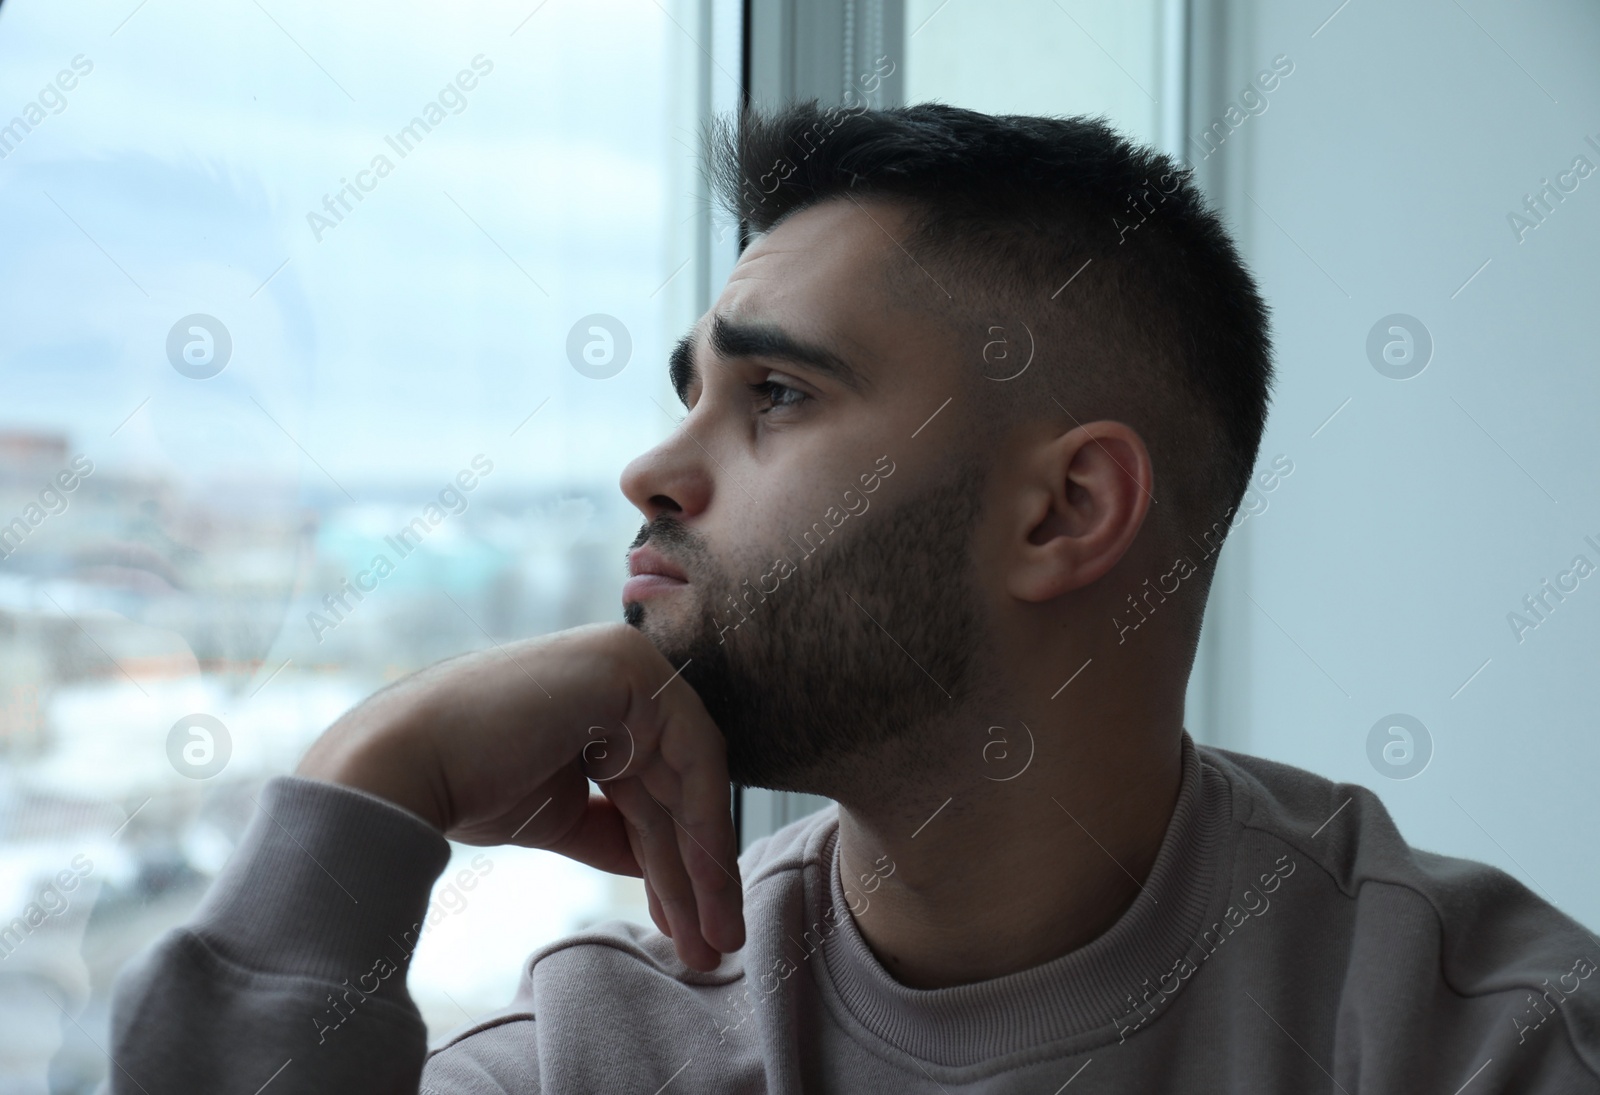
(777, 395)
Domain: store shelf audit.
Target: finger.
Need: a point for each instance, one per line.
(719, 901)
(682, 763)
(664, 873)
(657, 916)
(600, 838)
(656, 913)
(667, 885)
(697, 796)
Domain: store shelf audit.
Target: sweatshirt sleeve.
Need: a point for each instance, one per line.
(292, 970)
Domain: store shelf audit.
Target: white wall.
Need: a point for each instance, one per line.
(1380, 577)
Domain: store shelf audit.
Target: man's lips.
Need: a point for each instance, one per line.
(647, 560)
(651, 573)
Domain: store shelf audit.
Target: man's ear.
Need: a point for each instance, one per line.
(1084, 500)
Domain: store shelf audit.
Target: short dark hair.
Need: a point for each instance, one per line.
(1136, 299)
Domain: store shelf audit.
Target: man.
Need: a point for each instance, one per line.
(964, 432)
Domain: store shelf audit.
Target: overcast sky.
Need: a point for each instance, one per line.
(420, 330)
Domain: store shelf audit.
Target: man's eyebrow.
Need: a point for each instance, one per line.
(732, 338)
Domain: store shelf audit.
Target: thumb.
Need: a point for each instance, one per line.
(600, 839)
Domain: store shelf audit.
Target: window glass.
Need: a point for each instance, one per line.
(1041, 57)
(328, 332)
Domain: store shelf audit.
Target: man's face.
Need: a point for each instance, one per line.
(831, 614)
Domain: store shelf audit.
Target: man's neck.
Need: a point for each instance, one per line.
(1005, 875)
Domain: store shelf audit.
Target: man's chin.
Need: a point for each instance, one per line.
(664, 633)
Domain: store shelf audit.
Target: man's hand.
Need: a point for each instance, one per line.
(489, 747)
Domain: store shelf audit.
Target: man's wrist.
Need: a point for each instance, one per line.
(385, 763)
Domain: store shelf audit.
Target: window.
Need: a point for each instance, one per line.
(329, 330)
(1047, 57)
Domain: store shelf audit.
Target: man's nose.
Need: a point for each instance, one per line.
(673, 478)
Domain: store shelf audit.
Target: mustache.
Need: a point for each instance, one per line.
(673, 537)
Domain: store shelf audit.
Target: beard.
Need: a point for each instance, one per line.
(843, 678)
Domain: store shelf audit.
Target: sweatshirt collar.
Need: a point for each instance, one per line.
(1081, 999)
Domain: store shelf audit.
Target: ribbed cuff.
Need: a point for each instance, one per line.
(326, 881)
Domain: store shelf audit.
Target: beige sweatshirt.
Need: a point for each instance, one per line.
(1286, 940)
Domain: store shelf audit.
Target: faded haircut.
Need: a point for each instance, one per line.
(1051, 240)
